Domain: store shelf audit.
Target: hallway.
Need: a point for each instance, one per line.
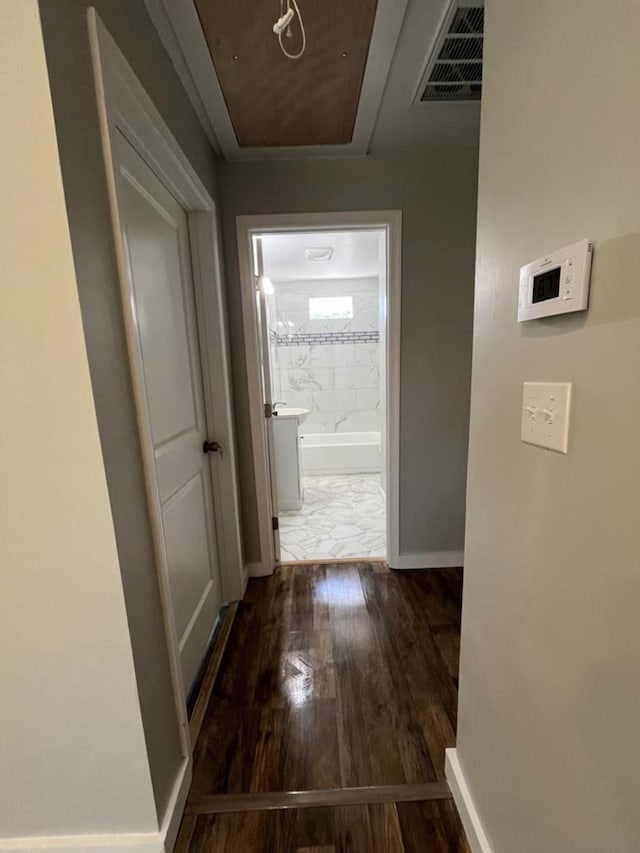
(310, 696)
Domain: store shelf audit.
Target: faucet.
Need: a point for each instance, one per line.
(278, 403)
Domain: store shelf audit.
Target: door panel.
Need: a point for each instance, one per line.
(157, 239)
(162, 317)
(187, 550)
(264, 352)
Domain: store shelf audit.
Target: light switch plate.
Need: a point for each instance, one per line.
(545, 414)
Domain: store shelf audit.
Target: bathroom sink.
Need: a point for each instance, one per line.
(292, 412)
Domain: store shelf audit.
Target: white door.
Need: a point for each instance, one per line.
(156, 236)
(264, 351)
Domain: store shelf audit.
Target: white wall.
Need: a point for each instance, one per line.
(550, 679)
(72, 747)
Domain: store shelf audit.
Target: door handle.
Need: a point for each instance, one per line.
(212, 447)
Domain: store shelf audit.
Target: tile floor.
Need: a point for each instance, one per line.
(342, 516)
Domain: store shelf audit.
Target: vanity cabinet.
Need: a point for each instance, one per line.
(288, 462)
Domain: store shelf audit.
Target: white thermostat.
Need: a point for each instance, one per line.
(557, 283)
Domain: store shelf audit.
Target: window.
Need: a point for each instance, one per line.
(330, 307)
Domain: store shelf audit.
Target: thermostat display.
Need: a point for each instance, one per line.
(557, 283)
(546, 285)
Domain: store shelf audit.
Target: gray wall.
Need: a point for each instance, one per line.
(550, 684)
(435, 189)
(67, 47)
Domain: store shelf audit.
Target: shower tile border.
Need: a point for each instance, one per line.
(327, 338)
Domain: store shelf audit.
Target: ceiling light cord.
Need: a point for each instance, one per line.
(302, 31)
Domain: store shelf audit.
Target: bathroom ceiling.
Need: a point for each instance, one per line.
(354, 254)
(275, 101)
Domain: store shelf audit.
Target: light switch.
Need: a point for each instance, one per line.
(545, 414)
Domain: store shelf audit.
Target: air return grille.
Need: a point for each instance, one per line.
(454, 69)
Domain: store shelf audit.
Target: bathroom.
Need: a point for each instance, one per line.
(325, 300)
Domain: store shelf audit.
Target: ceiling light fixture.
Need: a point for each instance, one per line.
(283, 25)
(321, 253)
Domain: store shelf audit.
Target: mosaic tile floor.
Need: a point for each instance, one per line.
(342, 516)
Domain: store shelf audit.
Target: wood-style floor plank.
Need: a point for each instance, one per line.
(417, 827)
(431, 826)
(334, 676)
(185, 834)
(385, 828)
(211, 672)
(405, 727)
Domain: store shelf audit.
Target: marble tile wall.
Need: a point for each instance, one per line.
(338, 381)
(272, 323)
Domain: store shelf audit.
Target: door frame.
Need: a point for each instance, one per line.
(389, 221)
(125, 108)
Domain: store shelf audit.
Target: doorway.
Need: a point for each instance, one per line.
(322, 295)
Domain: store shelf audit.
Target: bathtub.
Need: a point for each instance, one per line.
(341, 453)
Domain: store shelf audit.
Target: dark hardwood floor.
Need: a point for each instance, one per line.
(421, 827)
(334, 677)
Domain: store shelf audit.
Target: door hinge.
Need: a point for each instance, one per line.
(275, 522)
(268, 410)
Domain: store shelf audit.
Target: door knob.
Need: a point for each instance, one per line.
(211, 447)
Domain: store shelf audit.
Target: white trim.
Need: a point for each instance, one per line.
(391, 222)
(467, 810)
(161, 22)
(175, 806)
(288, 506)
(392, 386)
(212, 331)
(133, 842)
(266, 563)
(191, 58)
(257, 570)
(124, 107)
(429, 560)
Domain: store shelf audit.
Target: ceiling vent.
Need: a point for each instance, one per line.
(454, 68)
(320, 253)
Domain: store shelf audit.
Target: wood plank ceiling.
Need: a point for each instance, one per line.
(275, 101)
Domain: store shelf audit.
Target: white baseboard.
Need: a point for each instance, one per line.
(258, 570)
(132, 842)
(244, 579)
(289, 506)
(430, 560)
(162, 841)
(465, 805)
